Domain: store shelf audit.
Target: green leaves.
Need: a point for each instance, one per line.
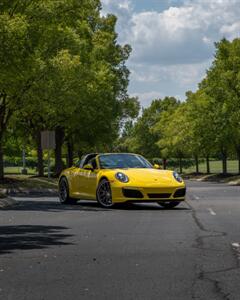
(61, 66)
(207, 123)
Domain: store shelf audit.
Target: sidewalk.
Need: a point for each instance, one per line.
(26, 186)
(230, 179)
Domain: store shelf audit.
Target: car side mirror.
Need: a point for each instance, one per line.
(156, 166)
(88, 167)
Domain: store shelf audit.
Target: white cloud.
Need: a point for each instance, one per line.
(231, 31)
(172, 48)
(184, 74)
(207, 40)
(182, 34)
(187, 74)
(125, 5)
(114, 6)
(153, 81)
(146, 98)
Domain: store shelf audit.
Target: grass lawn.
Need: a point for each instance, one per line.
(17, 170)
(28, 182)
(215, 167)
(14, 178)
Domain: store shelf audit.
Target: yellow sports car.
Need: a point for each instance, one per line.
(120, 177)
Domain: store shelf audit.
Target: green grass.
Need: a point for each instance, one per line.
(17, 170)
(215, 167)
(28, 182)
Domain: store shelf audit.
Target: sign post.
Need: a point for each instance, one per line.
(48, 143)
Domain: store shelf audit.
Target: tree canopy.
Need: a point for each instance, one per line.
(206, 124)
(62, 69)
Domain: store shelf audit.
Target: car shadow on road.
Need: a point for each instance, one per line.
(54, 206)
(28, 237)
(147, 207)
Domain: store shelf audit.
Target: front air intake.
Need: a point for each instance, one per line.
(159, 196)
(179, 193)
(129, 193)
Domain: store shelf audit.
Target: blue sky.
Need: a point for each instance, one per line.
(154, 5)
(172, 41)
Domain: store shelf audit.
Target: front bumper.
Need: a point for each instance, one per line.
(147, 194)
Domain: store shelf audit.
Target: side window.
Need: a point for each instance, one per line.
(93, 163)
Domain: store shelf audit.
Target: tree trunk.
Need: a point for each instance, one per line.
(224, 162)
(39, 155)
(1, 161)
(208, 165)
(238, 154)
(70, 153)
(197, 164)
(4, 118)
(164, 163)
(59, 138)
(180, 165)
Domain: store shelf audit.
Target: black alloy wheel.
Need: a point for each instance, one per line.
(104, 194)
(64, 192)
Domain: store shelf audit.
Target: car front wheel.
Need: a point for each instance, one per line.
(168, 204)
(64, 192)
(104, 193)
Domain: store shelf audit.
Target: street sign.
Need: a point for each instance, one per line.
(48, 139)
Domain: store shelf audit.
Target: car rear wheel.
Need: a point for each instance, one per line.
(104, 193)
(168, 204)
(64, 192)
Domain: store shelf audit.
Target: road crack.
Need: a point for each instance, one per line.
(202, 275)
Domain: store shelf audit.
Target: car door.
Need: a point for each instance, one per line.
(78, 182)
(85, 181)
(91, 180)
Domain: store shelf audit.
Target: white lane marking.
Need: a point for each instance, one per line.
(211, 212)
(236, 248)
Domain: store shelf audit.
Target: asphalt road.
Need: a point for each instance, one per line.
(49, 251)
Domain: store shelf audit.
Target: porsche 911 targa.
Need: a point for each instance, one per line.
(111, 178)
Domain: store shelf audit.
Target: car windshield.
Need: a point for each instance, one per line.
(123, 161)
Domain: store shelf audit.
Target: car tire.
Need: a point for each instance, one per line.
(168, 204)
(104, 194)
(64, 192)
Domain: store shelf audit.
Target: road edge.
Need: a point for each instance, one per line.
(6, 201)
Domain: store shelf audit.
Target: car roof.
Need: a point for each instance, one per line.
(115, 153)
(86, 158)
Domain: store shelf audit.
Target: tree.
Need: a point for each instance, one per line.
(222, 87)
(199, 117)
(144, 136)
(174, 140)
(62, 68)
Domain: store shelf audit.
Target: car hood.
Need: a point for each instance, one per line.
(150, 177)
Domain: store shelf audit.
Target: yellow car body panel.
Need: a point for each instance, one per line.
(153, 184)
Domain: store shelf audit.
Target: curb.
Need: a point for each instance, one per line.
(7, 202)
(33, 193)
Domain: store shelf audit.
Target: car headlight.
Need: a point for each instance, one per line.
(121, 177)
(177, 176)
